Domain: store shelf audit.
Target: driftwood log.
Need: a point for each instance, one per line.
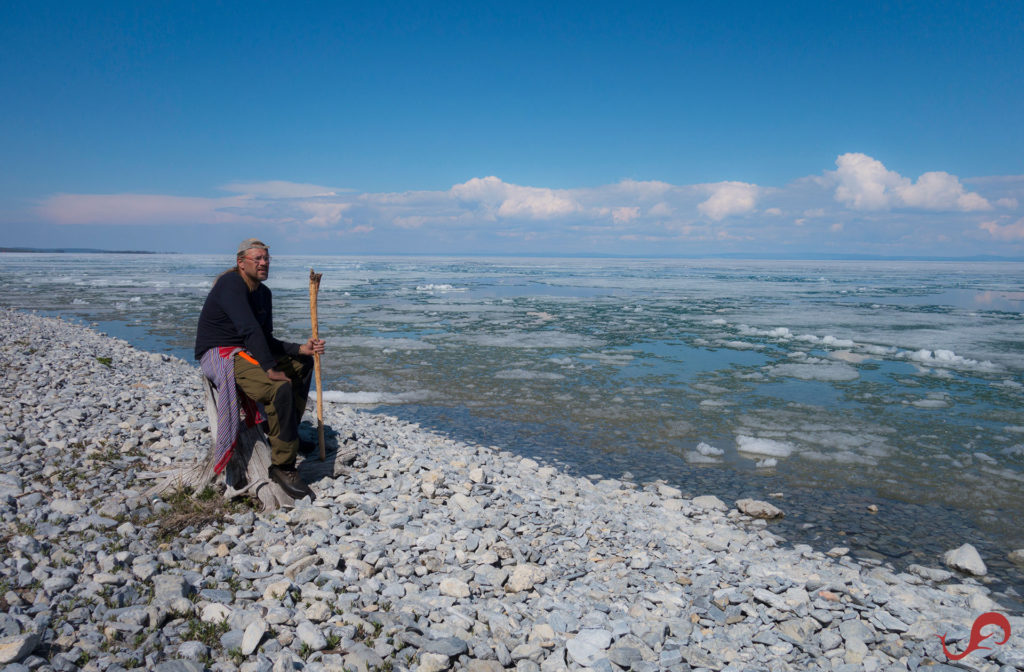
(246, 471)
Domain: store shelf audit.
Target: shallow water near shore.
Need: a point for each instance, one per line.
(838, 384)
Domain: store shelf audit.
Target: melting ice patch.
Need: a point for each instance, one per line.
(703, 454)
(523, 374)
(815, 369)
(768, 447)
(534, 339)
(933, 401)
(610, 358)
(839, 456)
(740, 345)
(438, 289)
(383, 343)
(373, 397)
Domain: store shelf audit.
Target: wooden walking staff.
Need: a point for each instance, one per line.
(314, 289)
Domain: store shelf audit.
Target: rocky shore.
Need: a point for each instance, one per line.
(425, 553)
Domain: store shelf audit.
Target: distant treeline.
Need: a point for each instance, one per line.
(72, 250)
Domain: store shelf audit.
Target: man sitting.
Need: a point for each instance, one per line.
(236, 324)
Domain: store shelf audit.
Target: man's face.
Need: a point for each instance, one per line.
(255, 264)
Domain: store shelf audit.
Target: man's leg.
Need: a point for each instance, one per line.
(276, 397)
(299, 370)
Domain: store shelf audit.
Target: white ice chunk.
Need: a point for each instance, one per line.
(837, 342)
(693, 457)
(709, 450)
(756, 446)
(948, 358)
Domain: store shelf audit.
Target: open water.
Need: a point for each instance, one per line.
(837, 384)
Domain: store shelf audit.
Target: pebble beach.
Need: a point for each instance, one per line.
(424, 553)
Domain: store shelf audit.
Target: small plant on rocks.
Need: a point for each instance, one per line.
(205, 508)
(207, 633)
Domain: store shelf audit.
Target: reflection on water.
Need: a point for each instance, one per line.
(967, 299)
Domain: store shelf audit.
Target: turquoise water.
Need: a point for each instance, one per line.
(903, 377)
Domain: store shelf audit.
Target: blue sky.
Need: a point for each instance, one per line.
(549, 128)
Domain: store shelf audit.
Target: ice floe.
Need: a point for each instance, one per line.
(757, 446)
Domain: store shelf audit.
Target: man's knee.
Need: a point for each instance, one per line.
(281, 393)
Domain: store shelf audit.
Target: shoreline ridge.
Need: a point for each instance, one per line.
(427, 553)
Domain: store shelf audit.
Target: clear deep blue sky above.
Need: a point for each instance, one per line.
(573, 128)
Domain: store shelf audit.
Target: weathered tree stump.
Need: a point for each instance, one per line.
(246, 471)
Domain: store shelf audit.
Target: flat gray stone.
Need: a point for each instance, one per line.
(448, 646)
(311, 636)
(15, 648)
(253, 636)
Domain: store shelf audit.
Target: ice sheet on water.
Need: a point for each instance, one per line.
(439, 288)
(740, 345)
(381, 343)
(373, 397)
(849, 357)
(523, 374)
(815, 369)
(839, 457)
(530, 340)
(609, 358)
(758, 446)
(931, 403)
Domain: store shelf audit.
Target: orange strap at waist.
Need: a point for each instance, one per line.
(247, 357)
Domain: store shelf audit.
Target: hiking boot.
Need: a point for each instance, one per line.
(290, 482)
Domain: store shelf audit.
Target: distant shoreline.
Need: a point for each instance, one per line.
(736, 256)
(74, 250)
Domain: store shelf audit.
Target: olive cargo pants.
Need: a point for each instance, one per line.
(284, 402)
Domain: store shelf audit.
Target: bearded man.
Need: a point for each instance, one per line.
(235, 339)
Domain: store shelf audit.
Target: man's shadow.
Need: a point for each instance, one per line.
(338, 451)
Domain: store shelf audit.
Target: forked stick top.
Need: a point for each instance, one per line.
(314, 278)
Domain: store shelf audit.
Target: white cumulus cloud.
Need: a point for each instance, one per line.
(729, 198)
(864, 183)
(515, 201)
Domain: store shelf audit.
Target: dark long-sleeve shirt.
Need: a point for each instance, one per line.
(234, 316)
